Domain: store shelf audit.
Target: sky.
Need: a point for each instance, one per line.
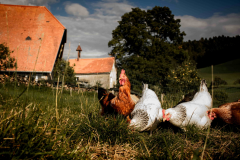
(91, 22)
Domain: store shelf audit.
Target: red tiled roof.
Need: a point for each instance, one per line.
(95, 65)
(24, 28)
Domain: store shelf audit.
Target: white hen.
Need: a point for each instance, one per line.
(192, 112)
(147, 112)
(203, 96)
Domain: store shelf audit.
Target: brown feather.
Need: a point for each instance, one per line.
(122, 103)
(235, 108)
(228, 112)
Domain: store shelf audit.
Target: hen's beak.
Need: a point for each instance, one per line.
(120, 78)
(164, 119)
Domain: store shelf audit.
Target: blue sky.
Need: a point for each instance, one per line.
(90, 22)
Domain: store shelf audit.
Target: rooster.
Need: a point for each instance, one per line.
(192, 112)
(122, 103)
(147, 112)
(228, 112)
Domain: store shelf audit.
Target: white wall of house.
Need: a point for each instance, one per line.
(108, 80)
(113, 76)
(92, 79)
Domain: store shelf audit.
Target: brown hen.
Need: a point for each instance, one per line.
(120, 104)
(228, 112)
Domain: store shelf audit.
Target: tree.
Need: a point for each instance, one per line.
(139, 32)
(218, 81)
(6, 61)
(62, 69)
(213, 51)
(147, 44)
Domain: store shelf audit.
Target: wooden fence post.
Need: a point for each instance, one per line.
(71, 91)
(162, 95)
(212, 85)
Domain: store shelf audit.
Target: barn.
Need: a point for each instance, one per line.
(35, 36)
(95, 70)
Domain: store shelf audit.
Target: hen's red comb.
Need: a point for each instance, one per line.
(163, 112)
(123, 71)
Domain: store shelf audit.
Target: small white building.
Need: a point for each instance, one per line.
(95, 70)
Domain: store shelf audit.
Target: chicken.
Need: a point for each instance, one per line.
(192, 112)
(228, 112)
(203, 96)
(147, 112)
(188, 97)
(122, 103)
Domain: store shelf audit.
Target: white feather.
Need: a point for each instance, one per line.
(147, 112)
(192, 112)
(203, 96)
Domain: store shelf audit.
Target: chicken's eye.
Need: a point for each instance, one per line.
(130, 116)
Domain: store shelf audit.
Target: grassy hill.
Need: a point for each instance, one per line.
(228, 71)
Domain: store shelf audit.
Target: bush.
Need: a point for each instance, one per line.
(218, 81)
(65, 72)
(220, 96)
(183, 77)
(236, 82)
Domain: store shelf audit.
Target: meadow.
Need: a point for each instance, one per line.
(45, 123)
(228, 71)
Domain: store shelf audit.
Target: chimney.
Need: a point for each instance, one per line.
(79, 49)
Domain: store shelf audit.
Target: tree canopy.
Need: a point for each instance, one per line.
(147, 44)
(140, 32)
(6, 61)
(213, 51)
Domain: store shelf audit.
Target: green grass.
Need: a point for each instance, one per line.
(30, 130)
(230, 72)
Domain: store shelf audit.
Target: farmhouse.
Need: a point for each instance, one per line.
(36, 37)
(95, 70)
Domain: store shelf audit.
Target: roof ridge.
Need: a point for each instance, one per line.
(20, 5)
(54, 17)
(36, 7)
(93, 58)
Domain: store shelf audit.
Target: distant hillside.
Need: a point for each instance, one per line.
(228, 71)
(227, 67)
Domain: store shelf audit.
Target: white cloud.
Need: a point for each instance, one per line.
(76, 10)
(94, 31)
(112, 7)
(216, 25)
